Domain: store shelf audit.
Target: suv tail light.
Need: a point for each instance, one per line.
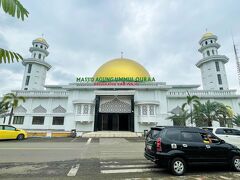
(159, 145)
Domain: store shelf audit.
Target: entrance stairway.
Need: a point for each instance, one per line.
(111, 134)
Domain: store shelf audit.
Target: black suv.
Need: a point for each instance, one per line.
(178, 147)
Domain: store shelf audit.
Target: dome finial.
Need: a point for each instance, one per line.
(121, 55)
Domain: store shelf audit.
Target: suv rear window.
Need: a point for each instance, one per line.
(154, 133)
(173, 134)
(191, 137)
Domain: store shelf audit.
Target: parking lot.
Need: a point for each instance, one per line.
(89, 158)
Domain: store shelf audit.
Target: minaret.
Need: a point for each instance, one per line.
(212, 64)
(35, 67)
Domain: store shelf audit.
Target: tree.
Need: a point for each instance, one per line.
(224, 114)
(15, 9)
(207, 112)
(191, 102)
(4, 106)
(13, 101)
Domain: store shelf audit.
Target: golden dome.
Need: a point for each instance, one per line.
(121, 67)
(41, 40)
(207, 34)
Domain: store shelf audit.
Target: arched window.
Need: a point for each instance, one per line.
(206, 42)
(211, 41)
(213, 52)
(151, 110)
(208, 53)
(39, 56)
(36, 45)
(41, 46)
(144, 110)
(34, 55)
(219, 79)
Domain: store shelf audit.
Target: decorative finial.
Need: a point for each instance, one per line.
(206, 29)
(42, 35)
(121, 55)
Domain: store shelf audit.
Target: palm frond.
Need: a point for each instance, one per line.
(183, 106)
(236, 120)
(195, 101)
(14, 8)
(9, 56)
(195, 97)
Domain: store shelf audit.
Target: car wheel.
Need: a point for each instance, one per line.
(178, 166)
(236, 163)
(20, 137)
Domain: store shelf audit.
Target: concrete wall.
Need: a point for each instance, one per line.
(48, 104)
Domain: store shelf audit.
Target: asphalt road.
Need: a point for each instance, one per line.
(86, 158)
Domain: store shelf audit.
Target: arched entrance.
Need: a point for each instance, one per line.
(114, 113)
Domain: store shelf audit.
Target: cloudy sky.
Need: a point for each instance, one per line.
(162, 35)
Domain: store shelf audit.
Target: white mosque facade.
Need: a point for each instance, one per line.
(120, 105)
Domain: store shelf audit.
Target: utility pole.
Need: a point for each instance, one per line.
(237, 61)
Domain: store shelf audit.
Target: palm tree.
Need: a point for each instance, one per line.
(225, 114)
(208, 112)
(13, 100)
(205, 114)
(15, 9)
(3, 109)
(191, 102)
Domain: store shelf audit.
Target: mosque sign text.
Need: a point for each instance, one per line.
(114, 79)
(116, 83)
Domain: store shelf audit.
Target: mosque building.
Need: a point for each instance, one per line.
(121, 96)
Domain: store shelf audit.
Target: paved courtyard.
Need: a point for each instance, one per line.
(89, 158)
